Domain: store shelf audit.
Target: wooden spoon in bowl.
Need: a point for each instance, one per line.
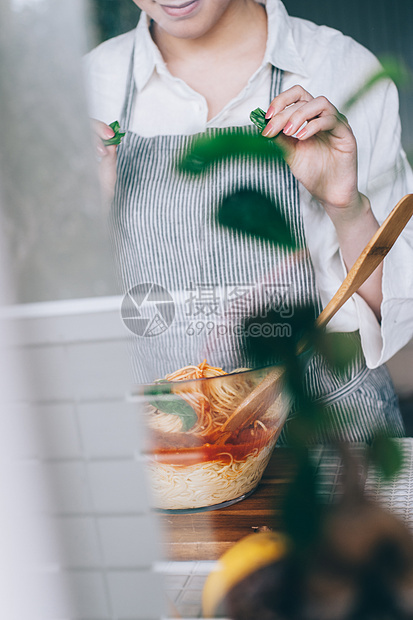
(367, 262)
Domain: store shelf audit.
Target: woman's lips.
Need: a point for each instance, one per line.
(180, 10)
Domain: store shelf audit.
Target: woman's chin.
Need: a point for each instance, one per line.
(189, 19)
(181, 10)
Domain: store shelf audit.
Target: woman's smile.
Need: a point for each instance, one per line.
(180, 10)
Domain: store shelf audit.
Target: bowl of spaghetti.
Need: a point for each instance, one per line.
(195, 463)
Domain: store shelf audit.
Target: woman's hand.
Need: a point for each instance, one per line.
(323, 155)
(106, 156)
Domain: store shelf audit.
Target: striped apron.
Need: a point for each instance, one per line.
(169, 247)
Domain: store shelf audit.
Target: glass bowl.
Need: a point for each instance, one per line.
(200, 456)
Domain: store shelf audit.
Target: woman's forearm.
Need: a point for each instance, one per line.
(355, 226)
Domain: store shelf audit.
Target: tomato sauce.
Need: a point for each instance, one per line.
(183, 449)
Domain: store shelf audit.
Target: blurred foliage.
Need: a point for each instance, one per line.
(232, 143)
(281, 345)
(386, 454)
(252, 213)
(336, 348)
(264, 222)
(302, 514)
(392, 69)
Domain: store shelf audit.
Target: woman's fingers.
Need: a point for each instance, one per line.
(279, 121)
(107, 172)
(295, 94)
(316, 114)
(106, 156)
(328, 122)
(101, 132)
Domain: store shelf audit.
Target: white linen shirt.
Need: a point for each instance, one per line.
(324, 62)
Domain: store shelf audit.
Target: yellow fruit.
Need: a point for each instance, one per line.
(245, 557)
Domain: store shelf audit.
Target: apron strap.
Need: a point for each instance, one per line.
(129, 95)
(276, 79)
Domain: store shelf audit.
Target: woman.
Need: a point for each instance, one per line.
(202, 66)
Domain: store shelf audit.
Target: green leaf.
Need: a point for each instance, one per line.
(337, 348)
(252, 213)
(265, 347)
(302, 511)
(234, 143)
(117, 138)
(392, 68)
(171, 403)
(387, 455)
(257, 116)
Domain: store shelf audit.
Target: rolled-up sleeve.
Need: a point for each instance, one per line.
(385, 177)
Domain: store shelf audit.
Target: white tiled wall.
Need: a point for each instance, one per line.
(76, 358)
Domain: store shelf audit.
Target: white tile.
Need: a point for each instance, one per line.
(136, 595)
(190, 610)
(70, 488)
(80, 543)
(47, 371)
(100, 370)
(70, 327)
(35, 538)
(49, 593)
(24, 439)
(118, 487)
(88, 595)
(196, 582)
(97, 326)
(173, 595)
(57, 426)
(205, 567)
(39, 485)
(128, 542)
(110, 429)
(174, 582)
(14, 384)
(178, 568)
(193, 597)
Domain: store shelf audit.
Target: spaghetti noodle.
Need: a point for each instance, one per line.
(188, 468)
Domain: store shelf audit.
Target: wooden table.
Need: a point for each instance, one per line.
(206, 535)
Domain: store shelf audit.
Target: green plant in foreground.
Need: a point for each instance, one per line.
(313, 527)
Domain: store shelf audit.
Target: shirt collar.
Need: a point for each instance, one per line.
(147, 56)
(281, 50)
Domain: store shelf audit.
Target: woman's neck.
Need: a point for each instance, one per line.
(219, 63)
(235, 27)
